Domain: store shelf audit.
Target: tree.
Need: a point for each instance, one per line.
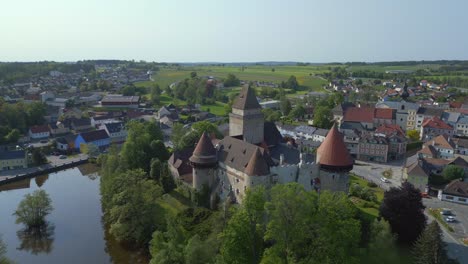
(297, 112)
(38, 158)
(133, 213)
(289, 211)
(243, 236)
(292, 83)
(413, 135)
(403, 209)
(231, 80)
(382, 247)
(430, 248)
(198, 251)
(193, 75)
(155, 169)
(33, 209)
(453, 172)
(168, 247)
(323, 117)
(285, 105)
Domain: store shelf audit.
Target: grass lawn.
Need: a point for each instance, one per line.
(370, 209)
(217, 109)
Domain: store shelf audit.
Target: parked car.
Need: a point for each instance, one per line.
(384, 180)
(445, 212)
(44, 141)
(62, 157)
(450, 219)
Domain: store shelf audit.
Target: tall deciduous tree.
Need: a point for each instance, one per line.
(403, 209)
(243, 236)
(3, 250)
(382, 247)
(323, 117)
(33, 209)
(285, 105)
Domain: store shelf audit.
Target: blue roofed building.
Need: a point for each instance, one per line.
(100, 138)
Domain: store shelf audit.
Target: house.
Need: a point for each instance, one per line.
(456, 191)
(339, 110)
(425, 113)
(416, 175)
(351, 139)
(100, 138)
(461, 146)
(180, 167)
(405, 115)
(461, 127)
(439, 147)
(202, 116)
(103, 119)
(320, 134)
(80, 124)
(306, 132)
(373, 147)
(116, 132)
(13, 159)
(363, 115)
(433, 127)
(58, 128)
(384, 116)
(120, 101)
(272, 104)
(37, 132)
(61, 144)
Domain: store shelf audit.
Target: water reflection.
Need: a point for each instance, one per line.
(40, 180)
(23, 184)
(37, 240)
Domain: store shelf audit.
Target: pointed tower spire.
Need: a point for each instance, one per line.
(204, 153)
(247, 99)
(257, 165)
(333, 153)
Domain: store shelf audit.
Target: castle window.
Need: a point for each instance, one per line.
(237, 180)
(232, 159)
(237, 191)
(244, 151)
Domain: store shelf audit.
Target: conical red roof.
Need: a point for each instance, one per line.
(333, 152)
(257, 165)
(204, 151)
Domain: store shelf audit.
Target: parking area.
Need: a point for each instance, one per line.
(374, 172)
(459, 211)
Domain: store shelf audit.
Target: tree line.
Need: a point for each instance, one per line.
(15, 119)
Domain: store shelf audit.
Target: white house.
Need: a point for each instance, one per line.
(37, 132)
(456, 191)
(116, 132)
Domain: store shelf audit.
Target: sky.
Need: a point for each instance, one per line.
(233, 30)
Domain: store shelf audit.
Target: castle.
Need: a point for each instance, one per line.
(254, 154)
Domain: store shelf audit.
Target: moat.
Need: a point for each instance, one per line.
(77, 233)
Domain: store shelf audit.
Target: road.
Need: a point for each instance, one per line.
(453, 239)
(53, 161)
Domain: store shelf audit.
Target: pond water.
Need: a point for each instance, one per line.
(75, 234)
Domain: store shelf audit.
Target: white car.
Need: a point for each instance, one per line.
(383, 179)
(450, 219)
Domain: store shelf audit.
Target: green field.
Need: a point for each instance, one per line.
(382, 68)
(305, 74)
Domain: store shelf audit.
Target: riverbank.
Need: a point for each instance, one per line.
(18, 175)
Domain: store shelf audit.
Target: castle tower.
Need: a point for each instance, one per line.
(203, 161)
(334, 162)
(247, 118)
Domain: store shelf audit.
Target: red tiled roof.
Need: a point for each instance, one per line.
(39, 129)
(384, 113)
(359, 114)
(455, 104)
(389, 129)
(435, 122)
(333, 152)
